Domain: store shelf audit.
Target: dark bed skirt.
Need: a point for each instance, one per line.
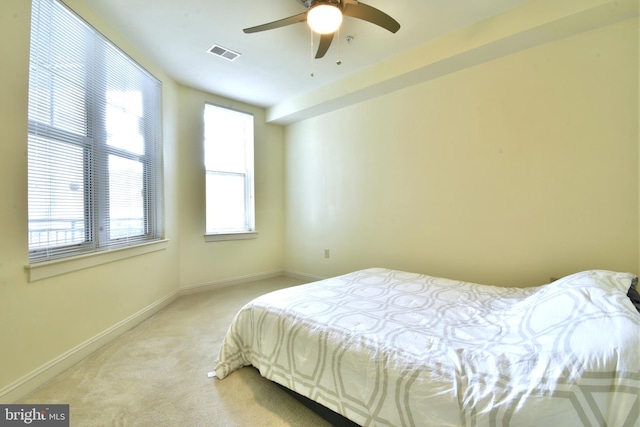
(331, 417)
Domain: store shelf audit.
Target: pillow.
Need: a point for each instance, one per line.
(634, 295)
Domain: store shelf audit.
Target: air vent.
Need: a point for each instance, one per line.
(223, 52)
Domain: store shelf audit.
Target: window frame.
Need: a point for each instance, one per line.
(249, 231)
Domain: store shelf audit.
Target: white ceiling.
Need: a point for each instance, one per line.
(276, 65)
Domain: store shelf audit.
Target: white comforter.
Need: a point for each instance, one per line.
(392, 348)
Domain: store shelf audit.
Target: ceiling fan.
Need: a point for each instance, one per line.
(320, 11)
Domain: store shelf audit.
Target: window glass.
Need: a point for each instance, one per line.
(228, 151)
(56, 196)
(126, 201)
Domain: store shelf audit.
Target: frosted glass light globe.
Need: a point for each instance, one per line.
(324, 18)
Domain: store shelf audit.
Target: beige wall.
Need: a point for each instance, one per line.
(46, 323)
(508, 172)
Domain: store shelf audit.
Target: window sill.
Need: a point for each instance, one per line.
(221, 237)
(44, 270)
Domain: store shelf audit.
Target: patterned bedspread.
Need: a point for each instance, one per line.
(391, 348)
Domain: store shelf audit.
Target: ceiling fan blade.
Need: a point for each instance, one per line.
(301, 17)
(325, 42)
(371, 14)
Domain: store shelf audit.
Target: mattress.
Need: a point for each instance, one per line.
(391, 348)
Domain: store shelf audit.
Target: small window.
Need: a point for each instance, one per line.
(228, 152)
(94, 143)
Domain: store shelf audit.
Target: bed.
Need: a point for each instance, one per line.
(391, 348)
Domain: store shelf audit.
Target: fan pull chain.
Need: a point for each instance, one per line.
(311, 32)
(338, 62)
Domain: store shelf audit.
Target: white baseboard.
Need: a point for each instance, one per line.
(223, 283)
(19, 388)
(303, 276)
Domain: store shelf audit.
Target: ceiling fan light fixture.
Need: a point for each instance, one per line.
(324, 17)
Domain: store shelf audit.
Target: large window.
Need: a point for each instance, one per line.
(228, 148)
(94, 146)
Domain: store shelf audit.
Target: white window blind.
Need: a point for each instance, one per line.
(94, 144)
(228, 149)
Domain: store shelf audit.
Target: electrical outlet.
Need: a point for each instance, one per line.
(327, 253)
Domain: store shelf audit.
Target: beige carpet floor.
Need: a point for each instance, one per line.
(156, 373)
